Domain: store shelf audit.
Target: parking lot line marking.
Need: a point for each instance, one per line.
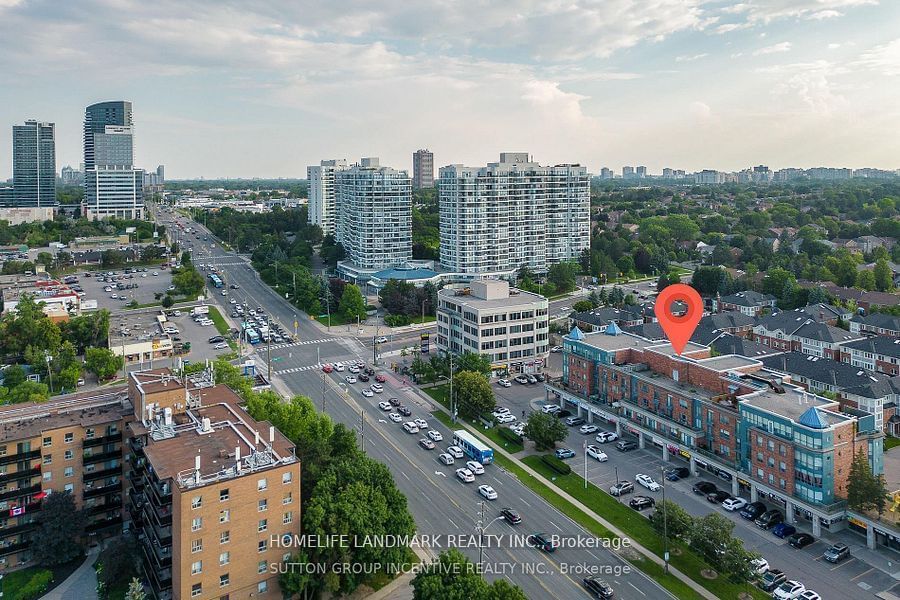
(861, 574)
(846, 562)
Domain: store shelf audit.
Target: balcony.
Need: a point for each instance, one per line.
(16, 529)
(99, 441)
(18, 493)
(99, 526)
(23, 474)
(114, 503)
(13, 548)
(160, 534)
(12, 458)
(157, 555)
(100, 491)
(102, 456)
(111, 472)
(159, 513)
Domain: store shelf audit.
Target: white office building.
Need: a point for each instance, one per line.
(488, 317)
(321, 193)
(373, 205)
(114, 191)
(515, 212)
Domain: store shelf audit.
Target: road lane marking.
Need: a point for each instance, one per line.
(637, 589)
(555, 525)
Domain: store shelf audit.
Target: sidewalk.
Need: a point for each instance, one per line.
(82, 583)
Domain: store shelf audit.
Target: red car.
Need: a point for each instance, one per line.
(327, 368)
(380, 378)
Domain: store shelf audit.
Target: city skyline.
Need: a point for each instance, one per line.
(264, 90)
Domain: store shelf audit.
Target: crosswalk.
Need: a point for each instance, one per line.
(345, 363)
(214, 262)
(300, 343)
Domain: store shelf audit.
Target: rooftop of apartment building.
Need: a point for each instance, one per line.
(135, 326)
(489, 293)
(799, 406)
(877, 345)
(747, 298)
(86, 409)
(616, 339)
(880, 320)
(819, 369)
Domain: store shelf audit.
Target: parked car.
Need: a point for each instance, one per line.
(733, 504)
(606, 436)
(648, 482)
(809, 595)
(676, 473)
(769, 519)
(542, 541)
(771, 579)
(836, 553)
(621, 488)
(446, 458)
(759, 565)
(718, 496)
(801, 540)
(562, 453)
(521, 379)
(556, 349)
(783, 530)
(550, 409)
(702, 488)
(504, 383)
(435, 435)
(642, 502)
(512, 517)
(588, 429)
(753, 510)
(506, 418)
(626, 445)
(596, 452)
(788, 590)
(573, 421)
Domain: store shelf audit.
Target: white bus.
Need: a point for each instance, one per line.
(473, 447)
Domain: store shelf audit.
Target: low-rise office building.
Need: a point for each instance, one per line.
(140, 337)
(488, 317)
(55, 295)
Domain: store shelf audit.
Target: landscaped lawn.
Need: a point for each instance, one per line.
(890, 442)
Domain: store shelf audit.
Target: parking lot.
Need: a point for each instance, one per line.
(148, 283)
(198, 335)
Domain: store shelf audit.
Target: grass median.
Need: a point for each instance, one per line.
(441, 394)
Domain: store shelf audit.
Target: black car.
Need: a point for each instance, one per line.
(216, 339)
(676, 473)
(539, 376)
(625, 445)
(597, 587)
(718, 496)
(836, 553)
(753, 510)
(642, 502)
(511, 516)
(235, 286)
(394, 401)
(404, 411)
(369, 371)
(801, 540)
(362, 377)
(703, 488)
(772, 579)
(769, 519)
(542, 541)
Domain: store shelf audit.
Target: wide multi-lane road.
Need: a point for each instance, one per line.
(442, 505)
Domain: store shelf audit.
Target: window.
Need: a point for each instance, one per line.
(196, 523)
(69, 487)
(287, 518)
(48, 458)
(48, 475)
(263, 505)
(223, 495)
(287, 498)
(223, 580)
(261, 546)
(70, 437)
(224, 516)
(89, 434)
(224, 537)
(69, 455)
(2, 450)
(262, 587)
(196, 502)
(196, 590)
(47, 442)
(263, 525)
(287, 477)
(262, 484)
(224, 558)
(196, 567)
(261, 567)
(69, 471)
(196, 545)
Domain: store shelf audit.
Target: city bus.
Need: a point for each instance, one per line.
(215, 280)
(251, 335)
(473, 448)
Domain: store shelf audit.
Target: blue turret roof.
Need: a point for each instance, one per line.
(613, 329)
(575, 334)
(812, 418)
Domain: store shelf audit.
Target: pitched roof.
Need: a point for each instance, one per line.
(731, 344)
(575, 334)
(747, 298)
(604, 315)
(813, 418)
(822, 370)
(883, 387)
(787, 321)
(879, 345)
(825, 333)
(879, 320)
(829, 311)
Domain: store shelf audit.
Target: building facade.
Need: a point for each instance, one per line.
(113, 187)
(513, 213)
(488, 317)
(320, 181)
(373, 205)
(423, 169)
(114, 192)
(34, 165)
(96, 118)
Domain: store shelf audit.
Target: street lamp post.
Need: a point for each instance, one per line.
(481, 527)
(665, 522)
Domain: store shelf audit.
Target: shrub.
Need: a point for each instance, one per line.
(556, 464)
(36, 587)
(396, 320)
(509, 435)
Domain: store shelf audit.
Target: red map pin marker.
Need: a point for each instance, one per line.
(679, 329)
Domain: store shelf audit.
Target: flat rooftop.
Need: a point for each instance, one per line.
(516, 298)
(624, 340)
(793, 404)
(135, 326)
(31, 419)
(729, 362)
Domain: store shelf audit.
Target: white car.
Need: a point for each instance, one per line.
(455, 451)
(606, 436)
(518, 428)
(114, 296)
(596, 452)
(232, 301)
(410, 427)
(550, 409)
(504, 383)
(506, 418)
(759, 566)
(107, 289)
(647, 482)
(733, 504)
(171, 331)
(368, 393)
(381, 340)
(446, 459)
(220, 346)
(809, 595)
(377, 388)
(465, 475)
(395, 417)
(155, 273)
(385, 406)
(500, 410)
(789, 590)
(350, 379)
(339, 368)
(353, 369)
(421, 423)
(475, 467)
(487, 491)
(588, 429)
(224, 292)
(176, 313)
(435, 435)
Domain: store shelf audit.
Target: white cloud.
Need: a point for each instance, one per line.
(825, 14)
(884, 58)
(691, 57)
(773, 49)
(767, 11)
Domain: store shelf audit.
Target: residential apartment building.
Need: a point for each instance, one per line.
(876, 324)
(749, 303)
(423, 169)
(795, 331)
(320, 181)
(113, 187)
(210, 489)
(70, 443)
(34, 165)
(513, 213)
(880, 354)
(724, 414)
(374, 218)
(488, 317)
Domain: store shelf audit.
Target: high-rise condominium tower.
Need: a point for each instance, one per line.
(321, 193)
(112, 186)
(34, 165)
(423, 169)
(513, 213)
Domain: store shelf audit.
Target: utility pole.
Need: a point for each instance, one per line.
(362, 430)
(452, 399)
(665, 524)
(323, 390)
(481, 537)
(269, 356)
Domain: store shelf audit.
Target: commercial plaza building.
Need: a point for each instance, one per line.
(321, 208)
(511, 213)
(488, 317)
(725, 414)
(34, 165)
(113, 187)
(374, 216)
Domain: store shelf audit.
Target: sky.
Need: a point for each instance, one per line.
(263, 88)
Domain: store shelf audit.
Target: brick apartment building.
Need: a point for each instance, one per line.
(750, 303)
(724, 414)
(210, 487)
(876, 324)
(71, 443)
(880, 354)
(794, 331)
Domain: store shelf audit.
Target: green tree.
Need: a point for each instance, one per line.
(562, 276)
(470, 361)
(678, 522)
(112, 258)
(102, 362)
(453, 577)
(583, 306)
(13, 375)
(168, 301)
(865, 280)
(188, 282)
(884, 278)
(710, 535)
(474, 396)
(59, 530)
(135, 590)
(27, 391)
(545, 430)
(352, 305)
(865, 490)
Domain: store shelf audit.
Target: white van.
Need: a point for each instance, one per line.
(411, 427)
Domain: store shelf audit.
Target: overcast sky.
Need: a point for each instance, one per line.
(244, 88)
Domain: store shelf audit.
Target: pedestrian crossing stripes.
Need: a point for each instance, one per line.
(302, 343)
(345, 363)
(227, 264)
